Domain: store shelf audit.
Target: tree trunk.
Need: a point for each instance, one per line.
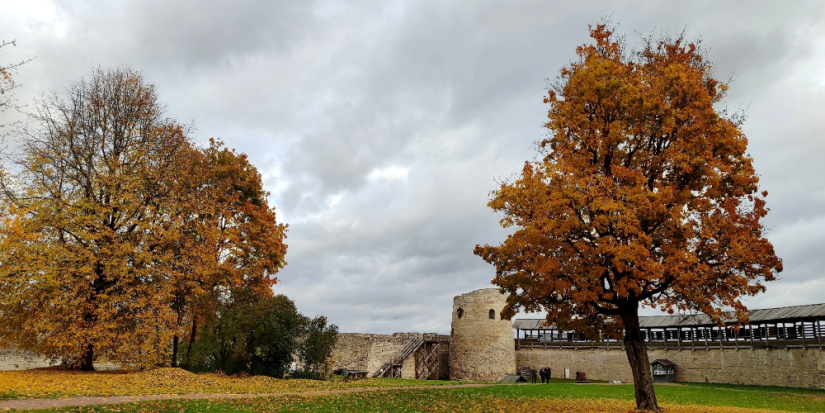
(636, 350)
(175, 351)
(192, 335)
(87, 359)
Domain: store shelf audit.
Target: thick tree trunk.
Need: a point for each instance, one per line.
(87, 359)
(175, 351)
(636, 350)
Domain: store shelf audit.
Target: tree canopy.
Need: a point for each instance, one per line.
(258, 334)
(229, 237)
(117, 230)
(644, 196)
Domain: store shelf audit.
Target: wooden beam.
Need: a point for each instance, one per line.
(664, 335)
(736, 337)
(705, 333)
(721, 334)
(767, 335)
(693, 338)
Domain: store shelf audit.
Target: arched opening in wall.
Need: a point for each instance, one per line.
(492, 314)
(460, 312)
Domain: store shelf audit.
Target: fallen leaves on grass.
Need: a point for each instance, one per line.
(61, 383)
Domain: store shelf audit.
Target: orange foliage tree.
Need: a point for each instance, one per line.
(229, 241)
(645, 196)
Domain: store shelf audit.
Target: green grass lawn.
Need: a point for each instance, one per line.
(774, 398)
(772, 389)
(557, 396)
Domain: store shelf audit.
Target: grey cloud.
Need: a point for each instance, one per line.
(321, 94)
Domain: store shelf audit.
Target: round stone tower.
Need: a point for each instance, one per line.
(482, 346)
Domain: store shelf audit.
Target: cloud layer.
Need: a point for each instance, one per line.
(380, 127)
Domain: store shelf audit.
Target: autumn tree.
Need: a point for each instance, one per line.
(7, 83)
(229, 238)
(644, 196)
(86, 225)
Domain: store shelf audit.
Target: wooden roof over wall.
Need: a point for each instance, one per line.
(787, 314)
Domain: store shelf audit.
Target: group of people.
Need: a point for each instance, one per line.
(544, 372)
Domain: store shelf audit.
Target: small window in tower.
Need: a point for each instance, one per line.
(492, 314)
(460, 312)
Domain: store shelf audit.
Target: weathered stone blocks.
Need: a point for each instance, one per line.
(482, 346)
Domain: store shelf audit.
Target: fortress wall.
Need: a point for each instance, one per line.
(408, 368)
(444, 360)
(22, 360)
(382, 349)
(368, 352)
(352, 351)
(11, 359)
(802, 368)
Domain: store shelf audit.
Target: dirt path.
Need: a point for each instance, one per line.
(95, 400)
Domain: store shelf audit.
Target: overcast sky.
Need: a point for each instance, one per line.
(381, 127)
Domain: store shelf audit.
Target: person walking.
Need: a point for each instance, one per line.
(533, 375)
(549, 374)
(543, 373)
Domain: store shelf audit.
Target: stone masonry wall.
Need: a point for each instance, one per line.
(369, 352)
(481, 348)
(11, 359)
(352, 351)
(444, 360)
(787, 368)
(21, 360)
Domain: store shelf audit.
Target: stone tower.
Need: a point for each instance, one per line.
(482, 346)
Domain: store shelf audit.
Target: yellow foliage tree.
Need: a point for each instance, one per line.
(87, 224)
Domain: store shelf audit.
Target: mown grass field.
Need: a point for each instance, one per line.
(555, 397)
